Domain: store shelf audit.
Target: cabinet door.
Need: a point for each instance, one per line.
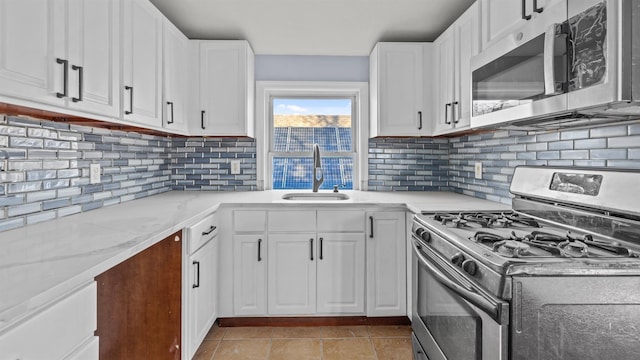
(249, 274)
(140, 302)
(226, 89)
(142, 59)
(341, 275)
(467, 44)
(292, 274)
(202, 284)
(386, 264)
(28, 34)
(445, 65)
(398, 78)
(94, 56)
(175, 84)
(500, 17)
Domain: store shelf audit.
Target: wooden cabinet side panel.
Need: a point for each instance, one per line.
(139, 304)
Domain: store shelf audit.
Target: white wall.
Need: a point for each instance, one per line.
(312, 68)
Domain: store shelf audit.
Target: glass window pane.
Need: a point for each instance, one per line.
(297, 172)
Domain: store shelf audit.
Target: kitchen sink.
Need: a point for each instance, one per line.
(315, 196)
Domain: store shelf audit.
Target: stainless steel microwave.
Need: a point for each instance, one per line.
(576, 60)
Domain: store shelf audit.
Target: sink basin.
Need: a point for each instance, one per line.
(315, 196)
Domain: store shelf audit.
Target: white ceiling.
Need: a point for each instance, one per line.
(313, 27)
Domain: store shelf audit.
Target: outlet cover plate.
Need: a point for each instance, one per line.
(94, 173)
(235, 167)
(478, 169)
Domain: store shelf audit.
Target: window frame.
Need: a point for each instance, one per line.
(267, 90)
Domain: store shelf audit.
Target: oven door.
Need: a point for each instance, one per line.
(452, 318)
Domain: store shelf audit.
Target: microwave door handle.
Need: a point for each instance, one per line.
(467, 293)
(549, 71)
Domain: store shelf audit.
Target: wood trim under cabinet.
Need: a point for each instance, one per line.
(313, 321)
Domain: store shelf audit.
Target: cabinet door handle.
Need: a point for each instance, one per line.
(524, 11)
(536, 8)
(211, 229)
(259, 250)
(197, 283)
(446, 113)
(419, 120)
(80, 71)
(311, 249)
(453, 112)
(130, 89)
(202, 119)
(65, 77)
(371, 224)
(170, 103)
(320, 255)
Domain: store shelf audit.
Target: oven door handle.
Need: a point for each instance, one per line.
(494, 310)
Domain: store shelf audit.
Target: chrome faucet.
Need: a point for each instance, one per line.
(317, 165)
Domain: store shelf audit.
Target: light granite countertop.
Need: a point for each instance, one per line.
(41, 262)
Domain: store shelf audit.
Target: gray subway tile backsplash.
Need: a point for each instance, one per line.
(49, 178)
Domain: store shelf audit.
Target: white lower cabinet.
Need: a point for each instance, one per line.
(292, 274)
(340, 273)
(249, 274)
(386, 264)
(87, 351)
(57, 332)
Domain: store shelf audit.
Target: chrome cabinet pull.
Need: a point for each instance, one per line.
(211, 229)
(371, 224)
(65, 77)
(524, 11)
(197, 283)
(311, 249)
(202, 119)
(130, 89)
(320, 255)
(80, 71)
(259, 250)
(420, 120)
(170, 103)
(536, 8)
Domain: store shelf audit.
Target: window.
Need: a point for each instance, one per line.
(293, 115)
(297, 123)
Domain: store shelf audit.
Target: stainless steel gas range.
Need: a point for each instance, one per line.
(557, 277)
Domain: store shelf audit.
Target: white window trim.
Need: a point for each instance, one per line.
(265, 90)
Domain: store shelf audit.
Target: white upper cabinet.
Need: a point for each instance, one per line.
(227, 89)
(502, 17)
(175, 81)
(453, 52)
(62, 53)
(141, 87)
(396, 85)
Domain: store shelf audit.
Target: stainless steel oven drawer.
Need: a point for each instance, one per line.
(418, 352)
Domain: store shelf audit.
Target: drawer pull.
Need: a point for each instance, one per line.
(211, 229)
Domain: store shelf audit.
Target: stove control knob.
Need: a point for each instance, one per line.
(426, 236)
(419, 231)
(457, 259)
(470, 267)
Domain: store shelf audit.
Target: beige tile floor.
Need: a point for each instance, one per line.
(307, 343)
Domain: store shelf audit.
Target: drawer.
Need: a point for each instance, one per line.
(292, 220)
(202, 232)
(341, 220)
(56, 331)
(249, 220)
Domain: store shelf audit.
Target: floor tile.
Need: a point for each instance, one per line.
(348, 349)
(389, 331)
(239, 333)
(393, 349)
(206, 350)
(296, 349)
(216, 333)
(254, 349)
(297, 332)
(330, 332)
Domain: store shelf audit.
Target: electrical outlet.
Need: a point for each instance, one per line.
(235, 167)
(478, 169)
(94, 173)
